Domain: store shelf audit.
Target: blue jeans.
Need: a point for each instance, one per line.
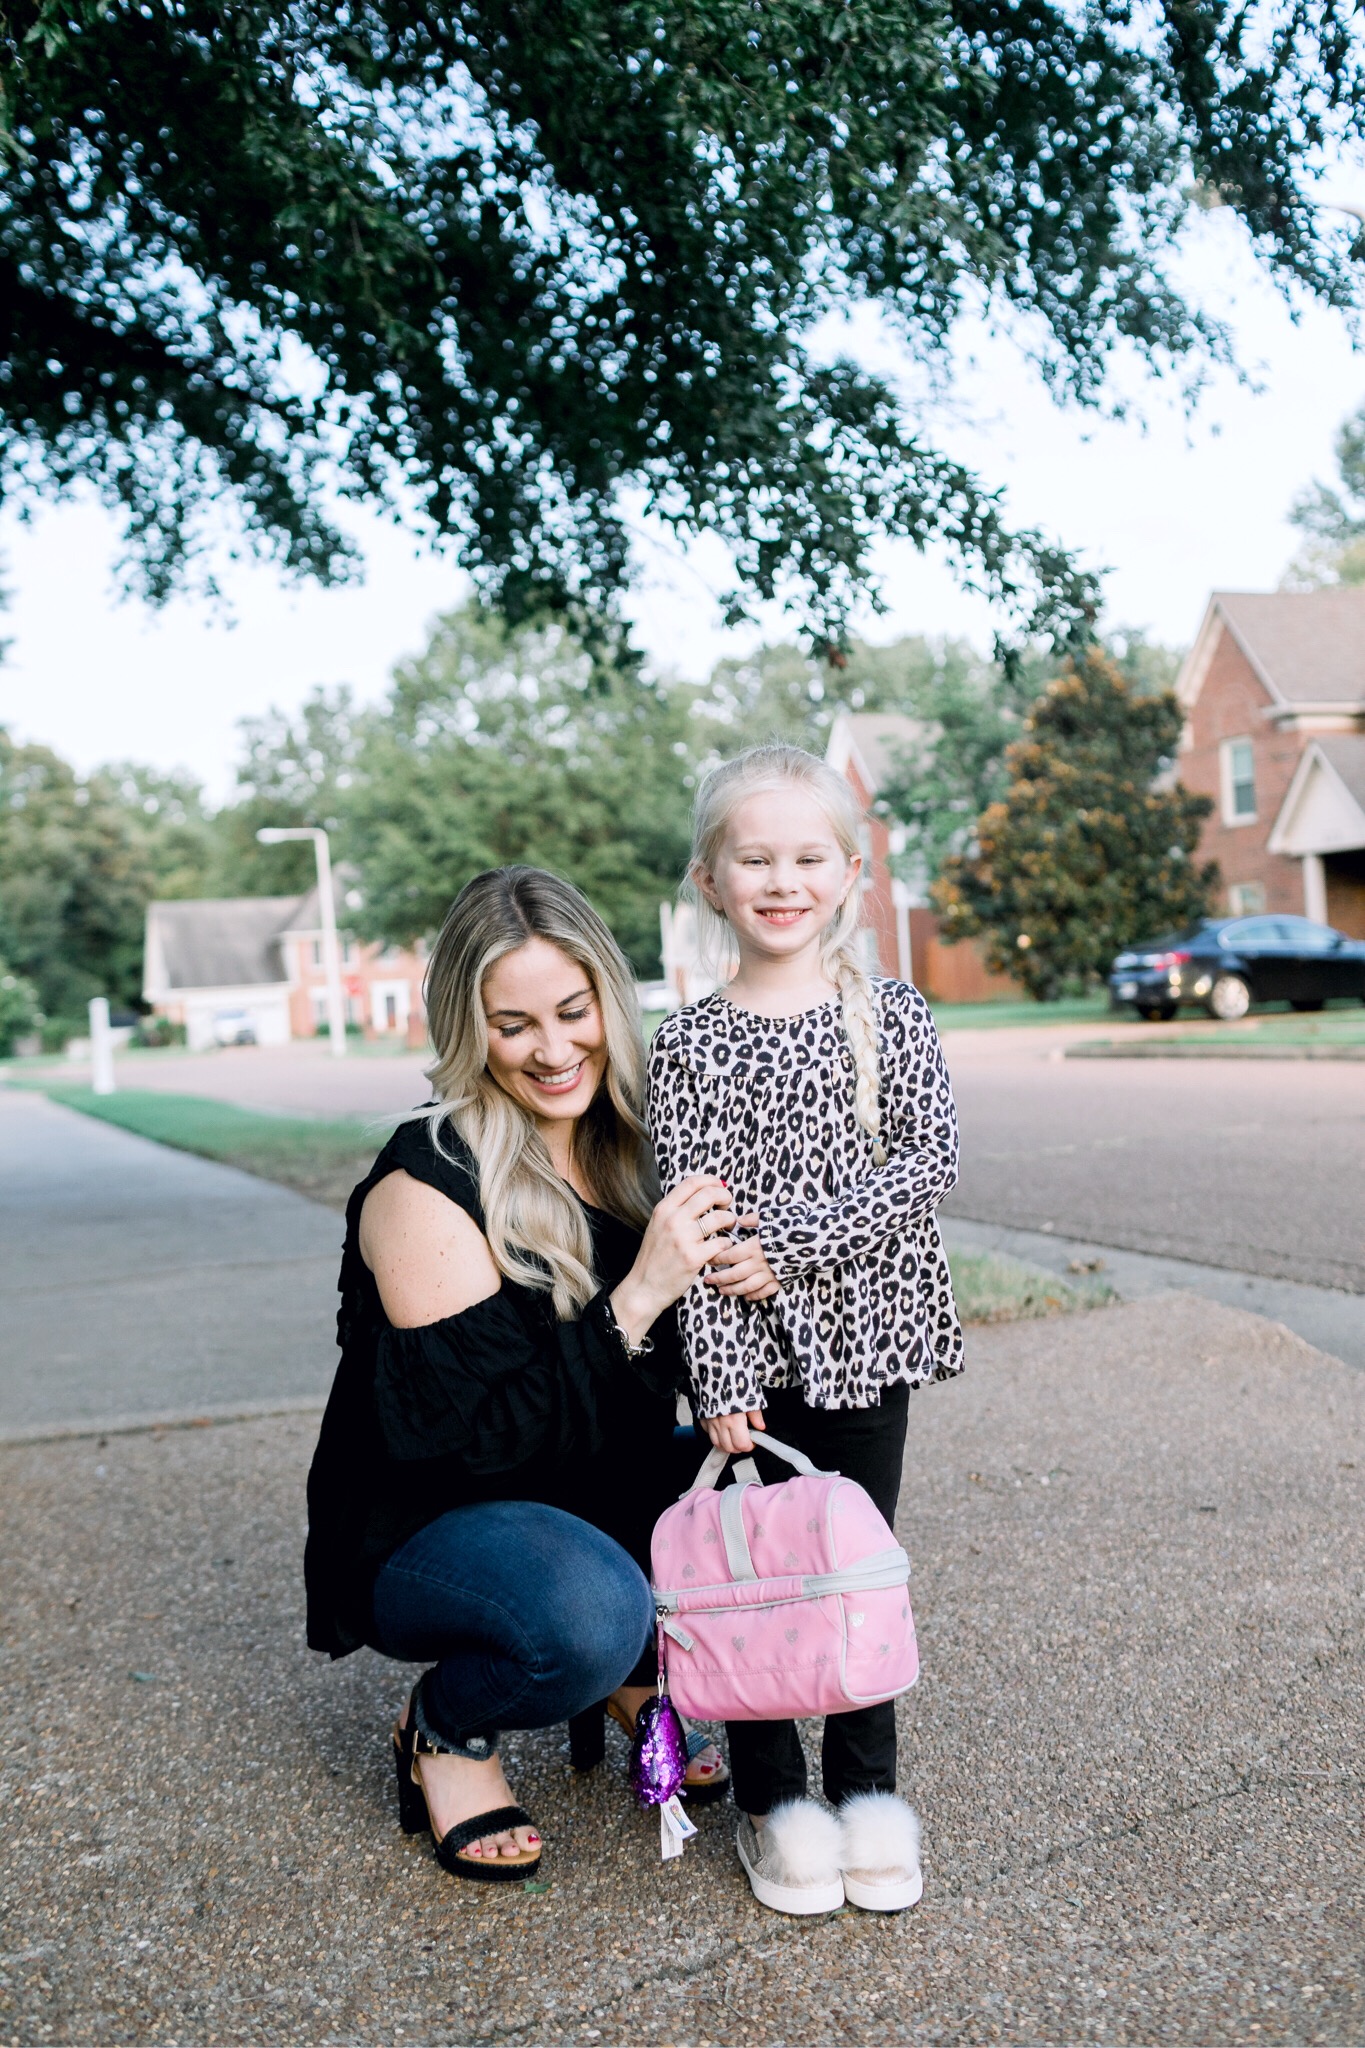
(531, 1615)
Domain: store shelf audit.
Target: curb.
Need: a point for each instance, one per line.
(174, 1418)
(1186, 1049)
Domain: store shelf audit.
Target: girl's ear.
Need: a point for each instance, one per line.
(855, 868)
(702, 879)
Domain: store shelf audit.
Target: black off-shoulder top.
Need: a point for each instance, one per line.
(500, 1402)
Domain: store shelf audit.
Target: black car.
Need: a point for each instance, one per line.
(1226, 964)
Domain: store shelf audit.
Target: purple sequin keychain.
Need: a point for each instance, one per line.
(658, 1765)
(658, 1755)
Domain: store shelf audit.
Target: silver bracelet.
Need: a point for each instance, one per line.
(640, 1350)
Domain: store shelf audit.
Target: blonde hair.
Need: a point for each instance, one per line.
(536, 1228)
(777, 766)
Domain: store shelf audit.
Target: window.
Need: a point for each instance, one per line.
(1246, 898)
(350, 952)
(1306, 937)
(1239, 781)
(1257, 935)
(317, 952)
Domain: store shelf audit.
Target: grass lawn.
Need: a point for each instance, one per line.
(317, 1157)
(1341, 1023)
(991, 1287)
(985, 1016)
(324, 1160)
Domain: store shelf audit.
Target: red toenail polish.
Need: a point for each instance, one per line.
(533, 1838)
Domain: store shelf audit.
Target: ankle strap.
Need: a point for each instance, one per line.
(476, 1744)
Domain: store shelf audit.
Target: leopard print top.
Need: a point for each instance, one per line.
(767, 1103)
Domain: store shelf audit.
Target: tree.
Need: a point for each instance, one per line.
(502, 745)
(1333, 521)
(512, 270)
(75, 880)
(19, 1011)
(968, 711)
(167, 819)
(293, 771)
(1091, 847)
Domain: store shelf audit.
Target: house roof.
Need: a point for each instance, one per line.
(1324, 806)
(1345, 751)
(306, 914)
(878, 738)
(1307, 646)
(230, 942)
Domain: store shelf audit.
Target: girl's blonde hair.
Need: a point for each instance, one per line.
(536, 1228)
(776, 766)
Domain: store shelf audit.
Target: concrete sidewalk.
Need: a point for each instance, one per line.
(135, 1280)
(1139, 1548)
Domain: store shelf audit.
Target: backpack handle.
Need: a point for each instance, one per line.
(717, 1460)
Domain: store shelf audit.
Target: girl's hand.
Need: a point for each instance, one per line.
(679, 1240)
(732, 1432)
(742, 1269)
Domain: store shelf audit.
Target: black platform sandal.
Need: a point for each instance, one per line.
(410, 1745)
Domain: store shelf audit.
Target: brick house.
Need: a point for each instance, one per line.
(1273, 692)
(903, 932)
(262, 956)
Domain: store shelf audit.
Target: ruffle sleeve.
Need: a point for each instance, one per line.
(493, 1389)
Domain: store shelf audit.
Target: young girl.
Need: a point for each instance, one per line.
(821, 1098)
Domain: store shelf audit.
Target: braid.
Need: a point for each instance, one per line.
(860, 1025)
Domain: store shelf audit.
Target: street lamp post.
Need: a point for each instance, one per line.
(274, 835)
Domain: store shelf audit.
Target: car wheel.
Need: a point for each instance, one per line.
(1315, 1004)
(1229, 998)
(1156, 1013)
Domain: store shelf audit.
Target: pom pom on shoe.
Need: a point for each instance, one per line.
(801, 1844)
(879, 1852)
(792, 1858)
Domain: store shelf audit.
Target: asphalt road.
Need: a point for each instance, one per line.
(1257, 1166)
(1254, 1165)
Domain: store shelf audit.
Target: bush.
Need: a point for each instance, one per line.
(155, 1032)
(19, 1012)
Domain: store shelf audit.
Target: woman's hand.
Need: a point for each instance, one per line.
(677, 1245)
(732, 1432)
(742, 1269)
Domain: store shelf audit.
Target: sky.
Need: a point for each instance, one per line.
(1171, 505)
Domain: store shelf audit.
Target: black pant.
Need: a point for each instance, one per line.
(767, 1762)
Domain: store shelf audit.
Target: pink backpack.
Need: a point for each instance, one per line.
(781, 1601)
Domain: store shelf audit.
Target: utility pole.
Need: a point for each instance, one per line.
(275, 835)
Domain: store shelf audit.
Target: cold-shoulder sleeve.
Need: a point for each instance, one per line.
(493, 1390)
(920, 1122)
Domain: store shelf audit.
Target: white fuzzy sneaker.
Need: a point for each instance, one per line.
(792, 1859)
(879, 1852)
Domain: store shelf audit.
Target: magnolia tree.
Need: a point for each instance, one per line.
(1091, 846)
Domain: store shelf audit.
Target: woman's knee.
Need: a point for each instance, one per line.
(603, 1615)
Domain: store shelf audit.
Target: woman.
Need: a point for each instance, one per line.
(497, 1442)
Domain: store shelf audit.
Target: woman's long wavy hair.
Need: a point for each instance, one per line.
(535, 1225)
(777, 766)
